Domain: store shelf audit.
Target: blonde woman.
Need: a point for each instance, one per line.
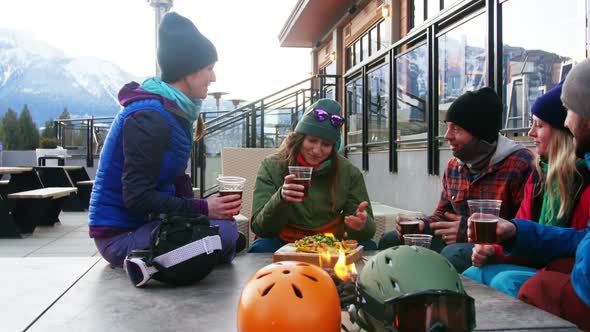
(556, 194)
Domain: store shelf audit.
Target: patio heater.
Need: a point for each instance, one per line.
(217, 96)
(237, 102)
(161, 7)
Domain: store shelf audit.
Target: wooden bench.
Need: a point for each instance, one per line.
(68, 176)
(23, 211)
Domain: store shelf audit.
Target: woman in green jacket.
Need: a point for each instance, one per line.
(337, 201)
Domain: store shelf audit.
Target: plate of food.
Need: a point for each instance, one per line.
(310, 248)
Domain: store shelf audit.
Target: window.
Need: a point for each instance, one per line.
(411, 93)
(357, 53)
(364, 47)
(378, 94)
(538, 51)
(374, 34)
(462, 64)
(433, 7)
(384, 35)
(417, 12)
(354, 105)
(448, 3)
(328, 83)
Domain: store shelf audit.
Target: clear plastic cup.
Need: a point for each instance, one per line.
(302, 177)
(231, 185)
(484, 226)
(410, 222)
(421, 240)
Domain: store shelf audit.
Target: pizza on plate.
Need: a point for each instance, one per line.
(321, 243)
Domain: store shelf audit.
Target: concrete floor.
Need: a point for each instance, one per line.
(66, 239)
(54, 280)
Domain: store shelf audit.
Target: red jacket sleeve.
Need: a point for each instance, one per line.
(582, 211)
(525, 210)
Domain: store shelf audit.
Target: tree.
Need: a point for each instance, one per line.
(11, 130)
(29, 134)
(1, 132)
(65, 115)
(49, 130)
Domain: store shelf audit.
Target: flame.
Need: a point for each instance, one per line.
(325, 258)
(344, 272)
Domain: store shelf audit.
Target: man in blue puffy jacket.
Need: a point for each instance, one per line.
(562, 289)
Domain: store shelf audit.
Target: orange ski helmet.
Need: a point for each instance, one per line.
(289, 296)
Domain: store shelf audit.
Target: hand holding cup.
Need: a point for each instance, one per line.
(409, 223)
(291, 192)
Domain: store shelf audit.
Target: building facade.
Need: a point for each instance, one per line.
(403, 62)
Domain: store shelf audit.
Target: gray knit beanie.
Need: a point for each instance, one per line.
(575, 93)
(182, 49)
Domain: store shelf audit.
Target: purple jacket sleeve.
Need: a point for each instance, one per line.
(146, 136)
(183, 186)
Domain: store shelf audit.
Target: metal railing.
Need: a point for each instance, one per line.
(261, 123)
(83, 136)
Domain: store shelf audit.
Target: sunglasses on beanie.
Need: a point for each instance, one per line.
(322, 115)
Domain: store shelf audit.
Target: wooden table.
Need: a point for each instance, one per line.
(104, 300)
(14, 170)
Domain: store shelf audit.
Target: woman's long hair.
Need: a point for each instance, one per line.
(561, 158)
(287, 156)
(200, 129)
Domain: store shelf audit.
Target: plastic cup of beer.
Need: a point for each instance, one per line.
(410, 222)
(419, 240)
(484, 226)
(231, 185)
(302, 177)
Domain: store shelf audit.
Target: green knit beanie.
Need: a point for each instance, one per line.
(322, 129)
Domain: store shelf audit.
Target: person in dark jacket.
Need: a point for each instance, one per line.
(141, 173)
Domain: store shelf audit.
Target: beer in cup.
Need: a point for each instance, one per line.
(484, 226)
(302, 177)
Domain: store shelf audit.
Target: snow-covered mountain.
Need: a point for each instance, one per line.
(39, 75)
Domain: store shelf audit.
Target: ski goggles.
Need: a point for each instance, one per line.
(140, 270)
(429, 311)
(322, 115)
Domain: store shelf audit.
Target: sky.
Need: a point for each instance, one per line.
(251, 62)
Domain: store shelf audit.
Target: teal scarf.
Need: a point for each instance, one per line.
(191, 107)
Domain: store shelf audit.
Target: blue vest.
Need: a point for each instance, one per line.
(106, 202)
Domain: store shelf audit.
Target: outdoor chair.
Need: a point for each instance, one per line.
(244, 162)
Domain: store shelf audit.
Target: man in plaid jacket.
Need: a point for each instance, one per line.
(486, 165)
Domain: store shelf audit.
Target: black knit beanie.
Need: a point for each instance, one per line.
(182, 49)
(479, 112)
